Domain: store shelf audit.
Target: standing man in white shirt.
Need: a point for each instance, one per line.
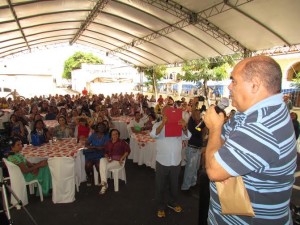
(168, 165)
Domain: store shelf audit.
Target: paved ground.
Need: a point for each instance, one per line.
(134, 204)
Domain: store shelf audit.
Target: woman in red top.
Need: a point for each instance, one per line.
(83, 128)
(116, 151)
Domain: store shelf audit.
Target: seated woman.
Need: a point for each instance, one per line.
(105, 115)
(40, 134)
(83, 128)
(125, 111)
(136, 125)
(35, 118)
(108, 126)
(44, 107)
(96, 112)
(94, 121)
(17, 129)
(34, 109)
(62, 112)
(115, 111)
(149, 124)
(152, 99)
(51, 114)
(62, 130)
(85, 109)
(95, 150)
(31, 171)
(116, 151)
(73, 119)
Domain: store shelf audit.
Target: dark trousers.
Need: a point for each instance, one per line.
(166, 185)
(204, 196)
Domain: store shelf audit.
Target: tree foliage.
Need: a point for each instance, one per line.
(205, 70)
(296, 81)
(155, 74)
(74, 62)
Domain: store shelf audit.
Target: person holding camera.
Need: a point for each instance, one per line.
(193, 151)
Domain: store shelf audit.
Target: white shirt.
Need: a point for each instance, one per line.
(168, 148)
(186, 116)
(133, 123)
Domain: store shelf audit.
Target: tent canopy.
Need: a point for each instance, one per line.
(150, 32)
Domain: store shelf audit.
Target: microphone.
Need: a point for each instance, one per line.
(198, 126)
(222, 104)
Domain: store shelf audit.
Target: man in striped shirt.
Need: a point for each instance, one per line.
(258, 143)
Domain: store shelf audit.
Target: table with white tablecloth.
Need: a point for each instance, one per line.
(61, 148)
(143, 149)
(121, 123)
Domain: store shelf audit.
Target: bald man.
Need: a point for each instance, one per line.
(258, 143)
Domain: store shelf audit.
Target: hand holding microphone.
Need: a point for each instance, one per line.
(222, 104)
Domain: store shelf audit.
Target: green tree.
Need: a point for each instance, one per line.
(296, 81)
(74, 62)
(155, 74)
(205, 70)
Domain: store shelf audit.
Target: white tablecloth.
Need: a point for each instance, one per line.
(64, 147)
(143, 149)
(121, 123)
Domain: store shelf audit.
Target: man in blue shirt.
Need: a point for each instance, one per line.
(258, 143)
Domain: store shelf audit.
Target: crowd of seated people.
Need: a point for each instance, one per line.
(67, 110)
(87, 118)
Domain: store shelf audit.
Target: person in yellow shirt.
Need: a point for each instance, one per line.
(159, 106)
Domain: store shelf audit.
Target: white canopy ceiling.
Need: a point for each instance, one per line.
(150, 32)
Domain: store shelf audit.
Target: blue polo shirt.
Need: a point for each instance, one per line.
(96, 141)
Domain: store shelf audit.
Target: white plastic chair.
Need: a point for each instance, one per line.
(79, 168)
(63, 179)
(297, 174)
(18, 184)
(29, 133)
(117, 173)
(96, 176)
